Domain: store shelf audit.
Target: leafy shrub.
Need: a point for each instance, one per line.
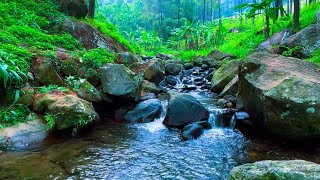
(96, 58)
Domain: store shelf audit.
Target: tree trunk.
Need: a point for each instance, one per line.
(296, 15)
(267, 30)
(91, 8)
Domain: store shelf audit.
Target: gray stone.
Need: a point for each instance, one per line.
(292, 169)
(184, 109)
(144, 112)
(281, 95)
(118, 80)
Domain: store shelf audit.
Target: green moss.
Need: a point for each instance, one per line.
(315, 58)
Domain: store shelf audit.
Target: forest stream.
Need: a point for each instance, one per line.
(144, 151)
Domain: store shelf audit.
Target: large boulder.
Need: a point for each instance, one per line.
(307, 39)
(76, 8)
(281, 95)
(45, 72)
(224, 75)
(144, 112)
(126, 58)
(67, 110)
(219, 55)
(294, 169)
(231, 88)
(154, 72)
(118, 80)
(276, 39)
(23, 134)
(184, 109)
(90, 37)
(88, 92)
(173, 69)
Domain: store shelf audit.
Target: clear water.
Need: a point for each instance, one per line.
(141, 151)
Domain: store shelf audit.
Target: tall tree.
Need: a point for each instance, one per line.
(91, 8)
(296, 15)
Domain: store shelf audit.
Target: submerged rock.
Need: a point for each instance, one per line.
(192, 131)
(144, 112)
(184, 109)
(118, 80)
(294, 169)
(281, 95)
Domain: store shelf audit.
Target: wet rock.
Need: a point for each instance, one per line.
(45, 72)
(292, 169)
(189, 87)
(188, 66)
(184, 109)
(224, 75)
(186, 72)
(276, 39)
(165, 56)
(76, 112)
(307, 39)
(148, 96)
(204, 124)
(219, 55)
(192, 131)
(212, 63)
(90, 37)
(222, 103)
(173, 69)
(281, 95)
(76, 8)
(144, 112)
(171, 80)
(149, 87)
(230, 98)
(241, 115)
(205, 67)
(23, 134)
(154, 72)
(118, 80)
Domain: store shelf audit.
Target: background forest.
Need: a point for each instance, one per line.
(197, 26)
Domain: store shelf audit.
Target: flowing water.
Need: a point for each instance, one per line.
(140, 151)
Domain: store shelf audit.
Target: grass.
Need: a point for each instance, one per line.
(315, 58)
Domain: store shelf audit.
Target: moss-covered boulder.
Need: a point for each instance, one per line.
(270, 170)
(281, 95)
(91, 38)
(76, 8)
(308, 40)
(45, 72)
(65, 110)
(224, 75)
(118, 80)
(88, 92)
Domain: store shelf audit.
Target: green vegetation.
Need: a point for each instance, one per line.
(96, 58)
(50, 88)
(315, 58)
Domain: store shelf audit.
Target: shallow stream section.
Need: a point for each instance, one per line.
(144, 151)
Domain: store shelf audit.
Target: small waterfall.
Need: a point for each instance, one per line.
(157, 125)
(233, 122)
